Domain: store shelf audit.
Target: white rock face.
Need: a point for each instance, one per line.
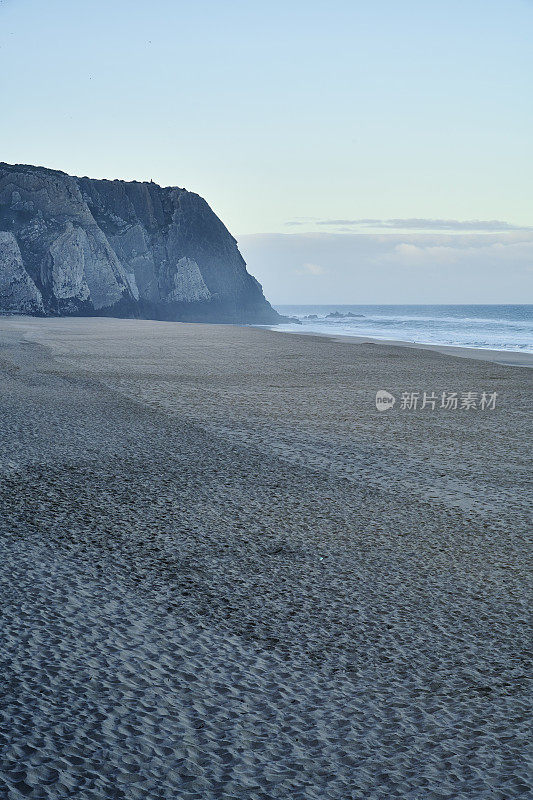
(188, 282)
(68, 277)
(18, 292)
(84, 267)
(106, 277)
(133, 249)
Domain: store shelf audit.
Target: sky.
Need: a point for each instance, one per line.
(313, 129)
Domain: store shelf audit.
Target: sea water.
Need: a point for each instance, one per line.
(497, 327)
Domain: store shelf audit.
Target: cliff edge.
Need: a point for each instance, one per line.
(79, 246)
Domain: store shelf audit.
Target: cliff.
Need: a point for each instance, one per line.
(78, 246)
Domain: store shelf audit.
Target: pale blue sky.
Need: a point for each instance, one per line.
(281, 112)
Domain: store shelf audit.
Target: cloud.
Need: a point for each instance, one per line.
(335, 222)
(392, 267)
(415, 223)
(506, 255)
(300, 220)
(311, 269)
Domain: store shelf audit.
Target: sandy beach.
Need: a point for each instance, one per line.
(226, 574)
(510, 358)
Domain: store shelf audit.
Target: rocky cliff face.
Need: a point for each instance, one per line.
(82, 246)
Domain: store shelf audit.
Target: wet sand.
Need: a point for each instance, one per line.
(508, 357)
(227, 575)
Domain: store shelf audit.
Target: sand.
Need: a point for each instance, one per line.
(508, 357)
(225, 574)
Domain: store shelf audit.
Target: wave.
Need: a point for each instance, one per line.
(507, 328)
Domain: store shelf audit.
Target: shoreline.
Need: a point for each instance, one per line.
(503, 357)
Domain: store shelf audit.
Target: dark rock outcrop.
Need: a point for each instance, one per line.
(339, 315)
(78, 246)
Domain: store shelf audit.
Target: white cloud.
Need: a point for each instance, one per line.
(509, 253)
(311, 269)
(393, 268)
(420, 224)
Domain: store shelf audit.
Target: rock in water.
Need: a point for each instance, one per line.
(78, 246)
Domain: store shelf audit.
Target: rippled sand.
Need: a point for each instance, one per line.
(226, 575)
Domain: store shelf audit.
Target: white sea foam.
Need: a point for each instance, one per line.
(497, 327)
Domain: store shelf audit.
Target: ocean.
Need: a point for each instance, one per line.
(497, 327)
